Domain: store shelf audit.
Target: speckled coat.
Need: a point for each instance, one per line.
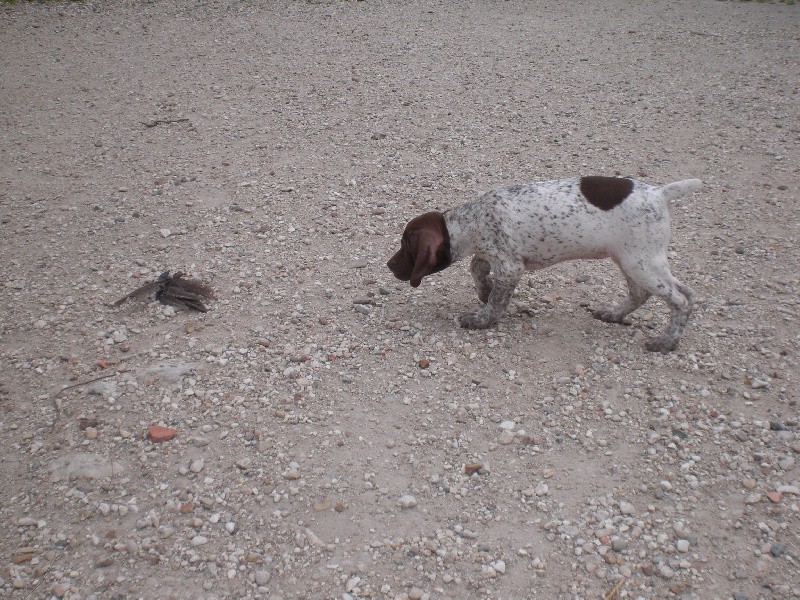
(532, 226)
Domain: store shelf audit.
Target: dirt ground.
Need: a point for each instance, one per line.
(337, 435)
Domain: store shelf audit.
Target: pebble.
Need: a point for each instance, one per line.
(774, 496)
(682, 545)
(407, 501)
(263, 577)
(777, 549)
(626, 508)
(507, 437)
(157, 434)
(199, 540)
(197, 465)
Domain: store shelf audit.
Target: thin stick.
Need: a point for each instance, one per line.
(56, 404)
(154, 122)
(615, 590)
(80, 383)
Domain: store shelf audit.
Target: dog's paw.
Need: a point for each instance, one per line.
(662, 344)
(476, 320)
(608, 315)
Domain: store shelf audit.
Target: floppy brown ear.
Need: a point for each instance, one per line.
(429, 243)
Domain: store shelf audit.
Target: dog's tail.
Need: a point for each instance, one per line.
(671, 191)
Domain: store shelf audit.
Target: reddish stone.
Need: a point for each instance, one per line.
(156, 433)
(774, 497)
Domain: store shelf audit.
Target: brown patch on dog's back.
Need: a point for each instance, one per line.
(606, 192)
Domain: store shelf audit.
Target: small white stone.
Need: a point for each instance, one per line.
(507, 437)
(263, 577)
(165, 233)
(199, 540)
(507, 425)
(499, 566)
(542, 489)
(626, 508)
(352, 583)
(197, 465)
(230, 527)
(407, 501)
(682, 545)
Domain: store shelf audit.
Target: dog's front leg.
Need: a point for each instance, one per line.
(480, 269)
(505, 281)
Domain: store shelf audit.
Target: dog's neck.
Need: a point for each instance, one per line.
(462, 229)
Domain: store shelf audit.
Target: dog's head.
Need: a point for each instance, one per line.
(424, 249)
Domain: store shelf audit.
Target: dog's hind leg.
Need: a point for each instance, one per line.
(637, 295)
(655, 278)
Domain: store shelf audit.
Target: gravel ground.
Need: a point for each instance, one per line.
(336, 435)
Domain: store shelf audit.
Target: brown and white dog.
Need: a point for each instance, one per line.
(533, 226)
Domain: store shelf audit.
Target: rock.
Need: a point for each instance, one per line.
(90, 433)
(774, 496)
(84, 465)
(682, 545)
(170, 375)
(472, 468)
(407, 501)
(507, 437)
(263, 577)
(197, 465)
(157, 433)
(499, 566)
(199, 540)
(626, 508)
(777, 549)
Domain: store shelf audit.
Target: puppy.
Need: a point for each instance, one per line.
(533, 226)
